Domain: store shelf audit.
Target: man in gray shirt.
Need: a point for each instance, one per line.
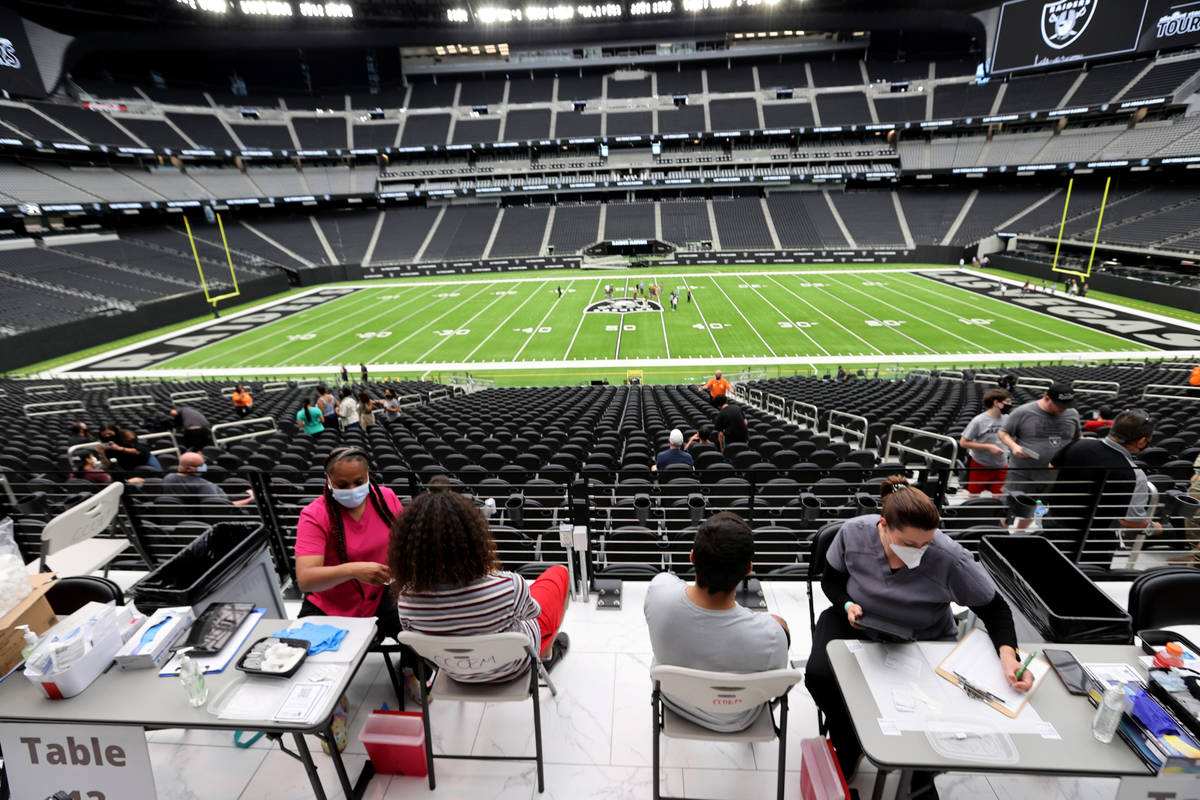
(1034, 432)
(189, 481)
(701, 626)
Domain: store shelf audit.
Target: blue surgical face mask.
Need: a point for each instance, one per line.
(200, 470)
(351, 498)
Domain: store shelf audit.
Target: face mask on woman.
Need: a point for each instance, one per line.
(911, 556)
(351, 498)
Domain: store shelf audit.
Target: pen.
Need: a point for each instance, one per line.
(1028, 658)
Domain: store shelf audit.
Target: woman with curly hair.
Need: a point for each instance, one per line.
(449, 582)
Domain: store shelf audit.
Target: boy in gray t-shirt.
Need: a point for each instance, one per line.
(988, 457)
(701, 626)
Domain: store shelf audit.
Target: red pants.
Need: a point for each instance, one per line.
(550, 592)
(980, 478)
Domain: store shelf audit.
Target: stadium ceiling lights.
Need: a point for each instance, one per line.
(495, 14)
(273, 8)
(211, 6)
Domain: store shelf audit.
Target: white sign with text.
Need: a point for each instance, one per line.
(87, 762)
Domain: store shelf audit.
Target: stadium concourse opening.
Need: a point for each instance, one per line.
(539, 303)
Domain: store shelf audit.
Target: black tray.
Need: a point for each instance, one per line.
(301, 643)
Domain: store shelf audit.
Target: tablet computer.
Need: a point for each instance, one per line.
(883, 630)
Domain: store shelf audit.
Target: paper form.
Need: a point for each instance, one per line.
(975, 660)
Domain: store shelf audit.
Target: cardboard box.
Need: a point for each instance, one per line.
(33, 611)
(173, 624)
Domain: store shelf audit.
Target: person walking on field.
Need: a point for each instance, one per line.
(689, 297)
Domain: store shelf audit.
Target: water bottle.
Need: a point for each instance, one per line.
(1108, 714)
(1169, 656)
(1040, 510)
(192, 679)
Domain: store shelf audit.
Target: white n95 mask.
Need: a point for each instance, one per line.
(911, 556)
(352, 498)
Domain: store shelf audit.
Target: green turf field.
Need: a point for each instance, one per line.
(760, 313)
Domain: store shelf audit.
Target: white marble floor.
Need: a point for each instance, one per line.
(596, 735)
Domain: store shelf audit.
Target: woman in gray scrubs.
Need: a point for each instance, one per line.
(899, 567)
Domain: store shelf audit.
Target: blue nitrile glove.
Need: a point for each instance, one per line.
(319, 637)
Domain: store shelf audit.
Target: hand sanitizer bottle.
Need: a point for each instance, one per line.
(192, 679)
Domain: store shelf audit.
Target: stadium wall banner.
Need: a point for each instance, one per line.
(18, 69)
(23, 349)
(376, 271)
(1041, 33)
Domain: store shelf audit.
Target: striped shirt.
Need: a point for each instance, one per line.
(497, 603)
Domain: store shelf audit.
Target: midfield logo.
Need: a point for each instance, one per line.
(8, 55)
(1063, 22)
(623, 305)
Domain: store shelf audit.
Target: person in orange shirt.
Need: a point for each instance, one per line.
(242, 401)
(717, 385)
(1194, 378)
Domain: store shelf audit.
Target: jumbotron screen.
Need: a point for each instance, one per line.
(1036, 33)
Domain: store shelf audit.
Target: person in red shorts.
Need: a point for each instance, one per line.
(449, 582)
(988, 462)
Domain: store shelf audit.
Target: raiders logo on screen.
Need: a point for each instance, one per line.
(1064, 21)
(8, 54)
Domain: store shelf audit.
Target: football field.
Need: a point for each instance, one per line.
(757, 316)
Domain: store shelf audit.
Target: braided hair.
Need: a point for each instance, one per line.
(341, 455)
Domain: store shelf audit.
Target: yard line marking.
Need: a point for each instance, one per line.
(621, 323)
(1007, 305)
(546, 316)
(945, 311)
(446, 313)
(785, 318)
(662, 316)
(253, 336)
(743, 316)
(823, 314)
(696, 302)
(339, 314)
(532, 295)
(325, 342)
(582, 317)
(473, 317)
(901, 311)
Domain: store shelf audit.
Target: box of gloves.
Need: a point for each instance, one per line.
(150, 646)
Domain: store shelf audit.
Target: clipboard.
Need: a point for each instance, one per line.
(974, 658)
(217, 662)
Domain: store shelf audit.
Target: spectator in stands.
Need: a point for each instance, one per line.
(328, 406)
(362, 369)
(348, 409)
(366, 409)
(242, 401)
(86, 467)
(717, 386)
(449, 581)
(841, 374)
(78, 434)
(987, 463)
(196, 432)
(700, 441)
(128, 452)
(189, 481)
(1034, 432)
(107, 432)
(345, 375)
(674, 454)
(311, 418)
(702, 626)
(1099, 491)
(1104, 419)
(391, 405)
(730, 424)
(899, 567)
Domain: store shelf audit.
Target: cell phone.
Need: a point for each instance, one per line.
(1069, 671)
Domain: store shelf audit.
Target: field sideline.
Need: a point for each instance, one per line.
(809, 319)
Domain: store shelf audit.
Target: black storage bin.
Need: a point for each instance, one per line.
(221, 559)
(1052, 594)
